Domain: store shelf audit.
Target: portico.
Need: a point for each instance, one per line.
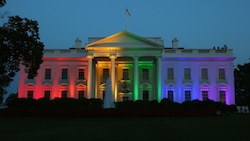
(122, 61)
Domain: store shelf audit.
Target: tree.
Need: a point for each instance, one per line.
(2, 3)
(10, 98)
(242, 83)
(19, 44)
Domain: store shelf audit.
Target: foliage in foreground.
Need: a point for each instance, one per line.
(98, 103)
(19, 44)
(69, 107)
(242, 83)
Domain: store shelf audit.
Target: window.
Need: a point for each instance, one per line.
(81, 94)
(170, 74)
(171, 95)
(47, 73)
(145, 95)
(187, 74)
(204, 74)
(64, 94)
(125, 98)
(81, 74)
(105, 74)
(124, 87)
(187, 95)
(204, 95)
(29, 76)
(125, 74)
(145, 74)
(222, 74)
(222, 96)
(64, 73)
(30, 94)
(47, 94)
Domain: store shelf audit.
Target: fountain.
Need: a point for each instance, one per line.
(108, 101)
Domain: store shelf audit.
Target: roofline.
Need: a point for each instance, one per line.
(125, 32)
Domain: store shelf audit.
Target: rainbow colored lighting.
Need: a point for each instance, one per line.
(125, 50)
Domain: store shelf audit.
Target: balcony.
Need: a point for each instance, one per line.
(172, 52)
(81, 82)
(47, 82)
(204, 82)
(63, 81)
(187, 82)
(145, 81)
(64, 52)
(221, 82)
(30, 81)
(170, 82)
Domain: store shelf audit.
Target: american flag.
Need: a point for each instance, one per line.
(127, 12)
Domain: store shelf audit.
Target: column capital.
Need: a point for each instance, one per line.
(158, 57)
(135, 57)
(89, 56)
(112, 56)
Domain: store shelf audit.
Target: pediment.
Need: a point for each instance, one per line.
(124, 40)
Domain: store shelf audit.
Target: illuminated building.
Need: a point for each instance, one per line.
(140, 69)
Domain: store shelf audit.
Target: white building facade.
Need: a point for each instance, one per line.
(140, 69)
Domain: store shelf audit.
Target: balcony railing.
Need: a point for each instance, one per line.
(63, 81)
(30, 81)
(83, 82)
(170, 82)
(197, 51)
(48, 82)
(221, 81)
(187, 82)
(204, 82)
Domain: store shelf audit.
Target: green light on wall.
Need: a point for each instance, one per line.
(136, 92)
(142, 64)
(159, 89)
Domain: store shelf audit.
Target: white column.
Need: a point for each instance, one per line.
(158, 79)
(90, 89)
(113, 76)
(136, 83)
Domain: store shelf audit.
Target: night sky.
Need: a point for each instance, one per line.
(196, 23)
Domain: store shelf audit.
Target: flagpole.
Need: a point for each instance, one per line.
(126, 22)
(126, 18)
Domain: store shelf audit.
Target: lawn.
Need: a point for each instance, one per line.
(224, 128)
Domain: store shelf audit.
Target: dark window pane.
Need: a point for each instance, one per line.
(81, 74)
(64, 73)
(125, 74)
(47, 73)
(145, 74)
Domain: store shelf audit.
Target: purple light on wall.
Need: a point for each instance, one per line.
(213, 85)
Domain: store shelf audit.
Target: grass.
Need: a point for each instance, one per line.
(225, 128)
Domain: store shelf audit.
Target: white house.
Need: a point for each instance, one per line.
(140, 69)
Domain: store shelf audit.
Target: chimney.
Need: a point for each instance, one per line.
(175, 43)
(78, 43)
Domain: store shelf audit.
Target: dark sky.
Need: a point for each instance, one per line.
(196, 23)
